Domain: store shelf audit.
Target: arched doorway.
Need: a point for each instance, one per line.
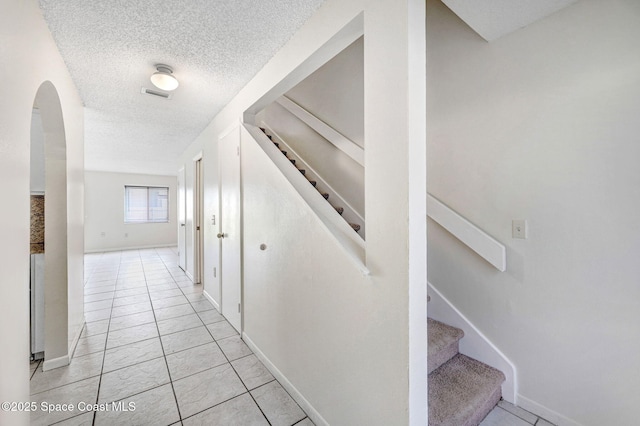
(56, 341)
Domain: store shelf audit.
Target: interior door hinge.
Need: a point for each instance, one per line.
(238, 150)
(238, 308)
(214, 272)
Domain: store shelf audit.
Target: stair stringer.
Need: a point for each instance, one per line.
(474, 344)
(350, 214)
(352, 244)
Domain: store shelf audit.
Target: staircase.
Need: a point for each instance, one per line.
(462, 391)
(356, 227)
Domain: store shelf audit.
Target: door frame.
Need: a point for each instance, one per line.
(198, 247)
(235, 127)
(182, 218)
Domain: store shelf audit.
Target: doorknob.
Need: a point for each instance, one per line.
(182, 224)
(221, 235)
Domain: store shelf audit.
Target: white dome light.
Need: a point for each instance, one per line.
(163, 78)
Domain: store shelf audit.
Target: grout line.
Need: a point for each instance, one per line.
(104, 354)
(515, 415)
(238, 375)
(183, 285)
(173, 389)
(34, 371)
(220, 403)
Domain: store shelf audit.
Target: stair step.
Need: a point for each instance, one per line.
(443, 343)
(283, 152)
(265, 132)
(292, 161)
(313, 182)
(340, 210)
(462, 392)
(355, 226)
(277, 144)
(303, 171)
(325, 195)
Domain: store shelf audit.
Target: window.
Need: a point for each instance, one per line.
(143, 204)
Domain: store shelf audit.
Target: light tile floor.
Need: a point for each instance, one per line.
(155, 351)
(506, 414)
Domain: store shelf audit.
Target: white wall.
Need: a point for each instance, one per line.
(543, 125)
(341, 172)
(335, 92)
(341, 339)
(104, 213)
(28, 58)
(37, 153)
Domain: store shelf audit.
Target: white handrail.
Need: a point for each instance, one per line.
(479, 241)
(340, 141)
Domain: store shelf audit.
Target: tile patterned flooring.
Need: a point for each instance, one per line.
(506, 414)
(152, 341)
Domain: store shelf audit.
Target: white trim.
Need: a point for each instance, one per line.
(306, 406)
(479, 241)
(50, 364)
(340, 141)
(546, 413)
(106, 250)
(474, 344)
(188, 274)
(197, 219)
(417, 238)
(352, 243)
(211, 299)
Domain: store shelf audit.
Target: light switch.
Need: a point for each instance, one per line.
(519, 229)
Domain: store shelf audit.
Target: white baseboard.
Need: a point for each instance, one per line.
(210, 299)
(474, 344)
(188, 274)
(544, 412)
(106, 250)
(317, 419)
(50, 364)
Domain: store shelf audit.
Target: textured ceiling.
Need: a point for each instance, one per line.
(494, 18)
(214, 46)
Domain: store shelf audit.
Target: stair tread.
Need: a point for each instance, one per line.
(462, 392)
(441, 335)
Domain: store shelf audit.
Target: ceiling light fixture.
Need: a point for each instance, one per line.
(163, 78)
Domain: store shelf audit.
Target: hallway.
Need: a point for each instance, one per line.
(155, 351)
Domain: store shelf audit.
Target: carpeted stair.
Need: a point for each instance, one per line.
(462, 391)
(356, 227)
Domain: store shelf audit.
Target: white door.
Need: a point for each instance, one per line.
(182, 220)
(230, 227)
